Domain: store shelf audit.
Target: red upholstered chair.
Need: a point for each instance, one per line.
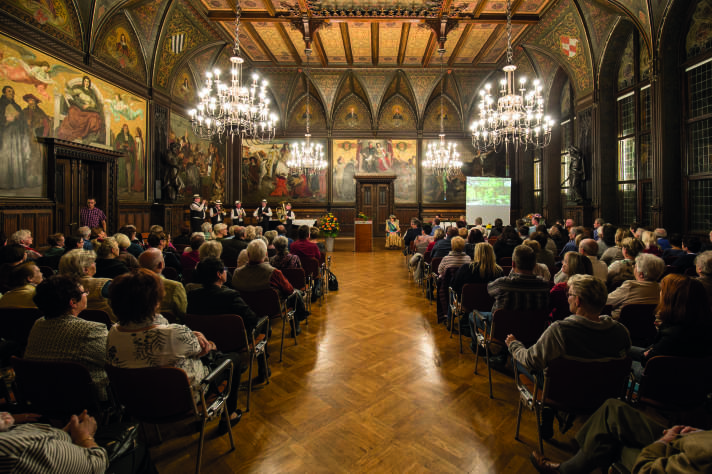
(267, 303)
(98, 316)
(639, 319)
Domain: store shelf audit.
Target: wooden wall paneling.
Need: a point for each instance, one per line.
(135, 214)
(346, 217)
(37, 218)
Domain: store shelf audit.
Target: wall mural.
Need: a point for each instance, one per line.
(184, 87)
(119, 47)
(63, 102)
(396, 114)
(444, 189)
(699, 36)
(57, 18)
(374, 156)
(201, 163)
(265, 175)
(352, 114)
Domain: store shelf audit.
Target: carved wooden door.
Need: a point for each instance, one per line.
(375, 198)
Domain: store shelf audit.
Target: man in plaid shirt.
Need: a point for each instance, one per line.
(91, 216)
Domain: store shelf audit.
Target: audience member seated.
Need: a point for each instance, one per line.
(545, 255)
(559, 235)
(497, 228)
(207, 229)
(615, 253)
(412, 233)
(589, 248)
(622, 270)
(506, 243)
(684, 321)
(107, 263)
(675, 249)
(258, 274)
(23, 281)
(35, 447)
(11, 255)
(124, 256)
(540, 270)
(442, 247)
(606, 239)
(24, 238)
(313, 236)
(143, 339)
(473, 238)
(81, 264)
(661, 239)
(283, 259)
(161, 242)
(520, 290)
(618, 432)
(184, 237)
(270, 236)
(231, 247)
(643, 289)
(650, 241)
(215, 298)
(56, 245)
(585, 335)
(71, 243)
(174, 297)
(439, 235)
(573, 264)
(135, 248)
(85, 233)
(482, 269)
(63, 336)
(691, 244)
(435, 225)
(191, 256)
(703, 264)
(302, 247)
(456, 258)
(423, 240)
(571, 245)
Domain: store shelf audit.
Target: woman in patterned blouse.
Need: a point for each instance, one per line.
(143, 339)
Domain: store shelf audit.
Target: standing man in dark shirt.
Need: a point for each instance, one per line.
(263, 213)
(197, 213)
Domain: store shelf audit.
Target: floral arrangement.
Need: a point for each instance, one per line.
(329, 225)
(362, 217)
(528, 218)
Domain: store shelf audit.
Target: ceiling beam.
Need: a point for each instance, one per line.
(319, 48)
(346, 39)
(288, 41)
(445, 9)
(460, 42)
(403, 45)
(270, 7)
(250, 30)
(374, 44)
(430, 49)
(489, 43)
(253, 16)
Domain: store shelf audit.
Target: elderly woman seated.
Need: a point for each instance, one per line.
(622, 270)
(107, 263)
(283, 259)
(455, 258)
(62, 336)
(614, 253)
(81, 264)
(124, 256)
(644, 289)
(23, 279)
(573, 264)
(142, 338)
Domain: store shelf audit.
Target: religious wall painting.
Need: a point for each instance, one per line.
(42, 96)
(118, 46)
(445, 109)
(699, 36)
(58, 18)
(298, 115)
(376, 157)
(626, 73)
(352, 114)
(396, 114)
(201, 163)
(184, 86)
(451, 189)
(265, 174)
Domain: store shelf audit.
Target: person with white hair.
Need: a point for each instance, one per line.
(258, 274)
(644, 289)
(24, 237)
(174, 297)
(703, 265)
(589, 248)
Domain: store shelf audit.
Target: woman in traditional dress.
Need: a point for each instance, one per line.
(393, 239)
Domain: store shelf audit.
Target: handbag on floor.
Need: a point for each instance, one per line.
(333, 282)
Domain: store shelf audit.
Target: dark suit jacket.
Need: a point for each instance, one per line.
(220, 300)
(231, 250)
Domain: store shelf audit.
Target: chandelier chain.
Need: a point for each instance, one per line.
(510, 53)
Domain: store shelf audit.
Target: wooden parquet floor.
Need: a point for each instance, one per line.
(374, 385)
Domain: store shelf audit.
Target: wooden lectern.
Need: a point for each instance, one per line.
(363, 236)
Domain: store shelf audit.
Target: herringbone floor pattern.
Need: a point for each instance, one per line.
(375, 385)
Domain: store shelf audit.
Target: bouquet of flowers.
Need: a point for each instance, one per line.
(329, 225)
(528, 218)
(362, 217)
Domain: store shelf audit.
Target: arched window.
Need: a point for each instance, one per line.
(633, 107)
(697, 124)
(566, 121)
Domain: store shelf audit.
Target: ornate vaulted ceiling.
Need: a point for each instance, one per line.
(378, 33)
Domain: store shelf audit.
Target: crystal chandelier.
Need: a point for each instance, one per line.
(441, 157)
(234, 107)
(307, 157)
(518, 118)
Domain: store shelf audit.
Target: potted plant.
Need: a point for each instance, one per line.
(329, 227)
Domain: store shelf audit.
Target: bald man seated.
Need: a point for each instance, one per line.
(175, 299)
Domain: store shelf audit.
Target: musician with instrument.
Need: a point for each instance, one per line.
(263, 213)
(197, 213)
(237, 215)
(217, 213)
(289, 216)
